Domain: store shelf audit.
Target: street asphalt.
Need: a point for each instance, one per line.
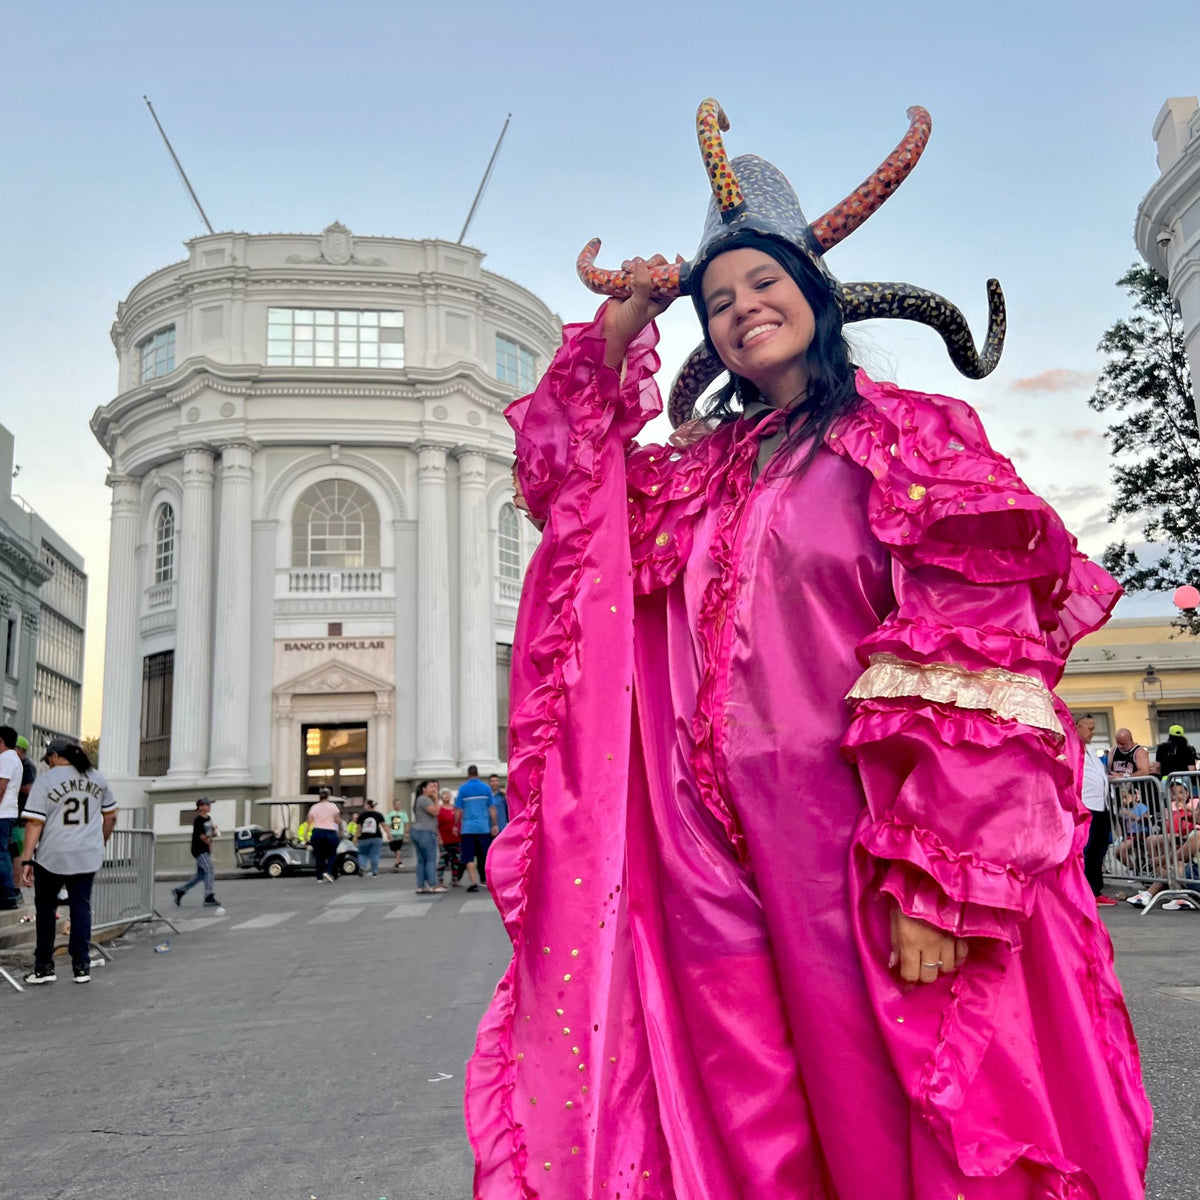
(309, 1045)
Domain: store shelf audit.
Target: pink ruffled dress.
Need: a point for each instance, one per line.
(752, 710)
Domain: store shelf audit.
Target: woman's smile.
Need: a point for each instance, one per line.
(760, 323)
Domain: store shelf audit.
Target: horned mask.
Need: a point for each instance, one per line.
(751, 194)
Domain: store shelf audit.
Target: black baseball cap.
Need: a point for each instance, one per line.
(58, 745)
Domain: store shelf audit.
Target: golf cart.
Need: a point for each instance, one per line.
(278, 851)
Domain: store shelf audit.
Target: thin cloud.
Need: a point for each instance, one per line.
(1084, 436)
(1056, 379)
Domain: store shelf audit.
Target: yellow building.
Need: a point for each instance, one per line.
(1142, 674)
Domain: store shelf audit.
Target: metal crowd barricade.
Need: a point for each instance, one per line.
(123, 890)
(1152, 842)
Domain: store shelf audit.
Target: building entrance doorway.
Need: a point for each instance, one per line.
(334, 756)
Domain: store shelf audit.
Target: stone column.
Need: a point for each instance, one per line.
(477, 652)
(434, 704)
(230, 754)
(119, 721)
(193, 619)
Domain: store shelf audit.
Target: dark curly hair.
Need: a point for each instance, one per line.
(831, 391)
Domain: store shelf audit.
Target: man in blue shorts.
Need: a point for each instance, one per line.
(477, 817)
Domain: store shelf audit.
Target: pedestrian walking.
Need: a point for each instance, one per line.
(370, 839)
(69, 817)
(424, 836)
(476, 827)
(820, 578)
(325, 821)
(499, 802)
(450, 858)
(11, 775)
(1094, 793)
(397, 822)
(204, 833)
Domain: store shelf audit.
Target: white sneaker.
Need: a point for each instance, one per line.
(1178, 903)
(1140, 900)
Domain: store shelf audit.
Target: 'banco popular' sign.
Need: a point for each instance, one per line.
(338, 644)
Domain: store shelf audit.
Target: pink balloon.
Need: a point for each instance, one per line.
(1187, 597)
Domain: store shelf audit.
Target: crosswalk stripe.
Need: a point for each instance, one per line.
(407, 910)
(335, 916)
(474, 906)
(190, 923)
(265, 921)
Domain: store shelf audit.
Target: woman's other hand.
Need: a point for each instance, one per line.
(625, 319)
(922, 951)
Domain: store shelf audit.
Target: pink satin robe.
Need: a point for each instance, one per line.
(707, 836)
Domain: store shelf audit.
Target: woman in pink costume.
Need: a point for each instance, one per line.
(794, 883)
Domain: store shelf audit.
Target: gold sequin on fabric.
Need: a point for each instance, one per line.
(1009, 695)
(916, 491)
(662, 539)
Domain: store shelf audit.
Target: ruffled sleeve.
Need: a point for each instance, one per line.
(577, 404)
(581, 404)
(967, 762)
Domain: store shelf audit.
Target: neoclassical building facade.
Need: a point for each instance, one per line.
(1168, 219)
(314, 560)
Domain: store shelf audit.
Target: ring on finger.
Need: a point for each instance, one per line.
(933, 966)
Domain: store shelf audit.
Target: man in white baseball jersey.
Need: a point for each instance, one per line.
(10, 786)
(69, 816)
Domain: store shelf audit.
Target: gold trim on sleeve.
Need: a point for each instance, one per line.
(1007, 694)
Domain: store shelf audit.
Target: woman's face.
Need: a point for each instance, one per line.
(760, 322)
(430, 789)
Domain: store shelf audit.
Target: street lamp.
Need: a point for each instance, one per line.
(1151, 687)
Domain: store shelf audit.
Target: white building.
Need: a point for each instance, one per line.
(1168, 218)
(43, 612)
(314, 561)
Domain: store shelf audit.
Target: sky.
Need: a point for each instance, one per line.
(382, 115)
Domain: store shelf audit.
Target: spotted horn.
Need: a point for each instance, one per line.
(710, 120)
(664, 281)
(843, 219)
(698, 371)
(902, 301)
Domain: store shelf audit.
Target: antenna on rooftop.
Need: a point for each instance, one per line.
(179, 167)
(484, 182)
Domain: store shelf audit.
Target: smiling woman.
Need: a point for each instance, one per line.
(825, 586)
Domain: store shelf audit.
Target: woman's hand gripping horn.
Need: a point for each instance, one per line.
(625, 318)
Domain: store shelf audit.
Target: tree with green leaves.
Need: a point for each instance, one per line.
(1154, 439)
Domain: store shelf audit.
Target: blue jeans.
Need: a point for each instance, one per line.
(368, 854)
(204, 874)
(79, 899)
(9, 896)
(425, 840)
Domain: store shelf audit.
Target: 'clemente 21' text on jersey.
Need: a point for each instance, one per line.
(71, 805)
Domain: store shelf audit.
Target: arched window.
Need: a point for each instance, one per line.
(335, 524)
(164, 545)
(508, 544)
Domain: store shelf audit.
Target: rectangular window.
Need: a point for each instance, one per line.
(318, 337)
(55, 702)
(503, 674)
(10, 648)
(158, 678)
(66, 590)
(156, 354)
(515, 364)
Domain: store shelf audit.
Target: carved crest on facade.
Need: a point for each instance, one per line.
(337, 250)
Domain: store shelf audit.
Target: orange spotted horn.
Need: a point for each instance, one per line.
(710, 121)
(845, 218)
(664, 281)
